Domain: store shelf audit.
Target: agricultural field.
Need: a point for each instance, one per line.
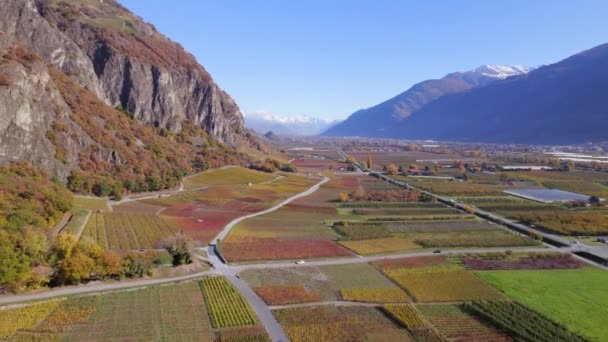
(575, 298)
(128, 231)
(528, 261)
(521, 322)
(339, 323)
(226, 176)
(376, 246)
(317, 164)
(226, 306)
(456, 324)
(280, 249)
(77, 220)
(457, 189)
(175, 312)
(444, 283)
(322, 283)
(566, 223)
(411, 319)
(91, 203)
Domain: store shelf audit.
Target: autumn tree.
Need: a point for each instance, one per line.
(343, 197)
(413, 196)
(370, 162)
(392, 169)
(359, 194)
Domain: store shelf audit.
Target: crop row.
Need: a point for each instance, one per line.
(558, 261)
(386, 295)
(361, 232)
(279, 295)
(566, 223)
(437, 226)
(487, 238)
(442, 284)
(405, 205)
(23, 318)
(128, 231)
(407, 315)
(424, 218)
(227, 307)
(522, 322)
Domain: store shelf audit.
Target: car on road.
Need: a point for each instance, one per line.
(300, 262)
(437, 251)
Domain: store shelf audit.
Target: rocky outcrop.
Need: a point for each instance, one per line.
(125, 61)
(88, 86)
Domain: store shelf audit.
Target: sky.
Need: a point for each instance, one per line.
(329, 58)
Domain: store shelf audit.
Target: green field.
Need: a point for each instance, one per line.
(576, 298)
(91, 203)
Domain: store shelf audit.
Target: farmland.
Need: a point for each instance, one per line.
(445, 283)
(326, 283)
(226, 176)
(128, 231)
(457, 324)
(169, 313)
(521, 322)
(339, 324)
(227, 307)
(574, 298)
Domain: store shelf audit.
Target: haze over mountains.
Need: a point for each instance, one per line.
(263, 122)
(560, 103)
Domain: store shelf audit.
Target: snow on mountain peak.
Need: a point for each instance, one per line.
(502, 71)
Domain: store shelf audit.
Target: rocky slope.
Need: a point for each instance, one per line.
(376, 121)
(66, 65)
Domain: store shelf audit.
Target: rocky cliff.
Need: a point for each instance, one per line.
(55, 54)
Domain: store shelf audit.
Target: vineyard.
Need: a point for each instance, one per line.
(458, 189)
(226, 176)
(566, 223)
(367, 295)
(227, 307)
(483, 238)
(375, 246)
(522, 322)
(456, 324)
(169, 313)
(391, 264)
(128, 231)
(280, 295)
(281, 249)
(533, 261)
(357, 324)
(414, 322)
(445, 283)
(24, 318)
(361, 232)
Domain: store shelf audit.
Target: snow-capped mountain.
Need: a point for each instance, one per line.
(263, 121)
(502, 71)
(377, 120)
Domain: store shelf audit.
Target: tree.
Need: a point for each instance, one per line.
(343, 197)
(370, 162)
(14, 264)
(569, 166)
(392, 169)
(75, 268)
(359, 194)
(180, 248)
(413, 196)
(111, 264)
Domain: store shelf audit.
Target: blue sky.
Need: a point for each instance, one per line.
(329, 58)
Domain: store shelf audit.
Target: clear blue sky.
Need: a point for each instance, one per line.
(328, 58)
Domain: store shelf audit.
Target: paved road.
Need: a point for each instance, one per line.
(273, 328)
(222, 235)
(366, 259)
(92, 288)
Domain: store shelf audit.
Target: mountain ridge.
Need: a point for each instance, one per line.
(375, 120)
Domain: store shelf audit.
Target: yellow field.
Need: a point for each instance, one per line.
(375, 246)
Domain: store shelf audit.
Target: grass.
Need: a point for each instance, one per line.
(91, 203)
(575, 298)
(226, 176)
(76, 221)
(376, 246)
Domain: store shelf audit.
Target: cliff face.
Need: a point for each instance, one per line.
(98, 50)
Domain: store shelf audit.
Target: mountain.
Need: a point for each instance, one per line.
(261, 121)
(561, 103)
(89, 90)
(377, 120)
